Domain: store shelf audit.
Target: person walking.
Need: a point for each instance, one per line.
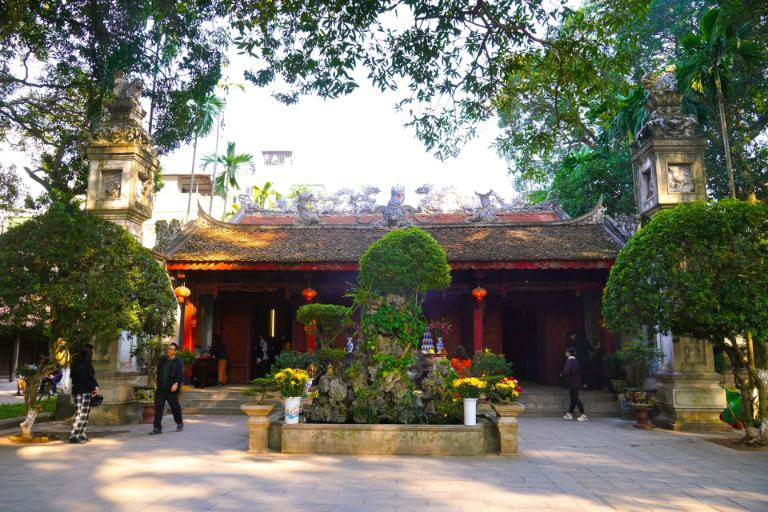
(84, 387)
(170, 377)
(572, 375)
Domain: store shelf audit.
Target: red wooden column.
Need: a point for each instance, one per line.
(479, 294)
(309, 294)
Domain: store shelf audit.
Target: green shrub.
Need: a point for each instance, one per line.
(637, 357)
(486, 363)
(405, 262)
(290, 360)
(329, 320)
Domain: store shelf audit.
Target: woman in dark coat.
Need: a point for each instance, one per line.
(572, 375)
(84, 386)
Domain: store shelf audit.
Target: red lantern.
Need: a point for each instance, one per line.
(309, 294)
(479, 294)
(182, 292)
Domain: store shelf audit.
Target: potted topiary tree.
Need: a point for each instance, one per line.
(637, 356)
(147, 352)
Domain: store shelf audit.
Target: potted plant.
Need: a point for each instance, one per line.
(504, 395)
(470, 389)
(614, 372)
(291, 382)
(188, 357)
(637, 357)
(259, 389)
(147, 353)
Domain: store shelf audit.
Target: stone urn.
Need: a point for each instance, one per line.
(641, 401)
(506, 422)
(258, 426)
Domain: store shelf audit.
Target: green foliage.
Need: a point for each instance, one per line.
(293, 359)
(389, 316)
(57, 59)
(407, 262)
(259, 388)
(613, 368)
(486, 363)
(231, 161)
(148, 351)
(328, 321)
(438, 395)
(697, 270)
(82, 279)
(637, 356)
(187, 357)
(11, 189)
(265, 196)
(586, 175)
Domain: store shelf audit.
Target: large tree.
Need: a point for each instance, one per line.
(57, 60)
(699, 270)
(81, 280)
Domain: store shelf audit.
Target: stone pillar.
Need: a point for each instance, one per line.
(122, 167)
(668, 162)
(689, 393)
(258, 426)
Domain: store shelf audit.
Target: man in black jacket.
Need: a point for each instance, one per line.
(170, 377)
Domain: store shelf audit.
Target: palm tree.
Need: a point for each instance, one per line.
(266, 195)
(706, 66)
(231, 161)
(204, 113)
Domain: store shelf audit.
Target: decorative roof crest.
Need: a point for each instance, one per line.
(125, 114)
(666, 118)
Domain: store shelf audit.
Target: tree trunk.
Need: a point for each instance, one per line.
(726, 142)
(215, 163)
(28, 424)
(746, 391)
(15, 360)
(191, 180)
(226, 193)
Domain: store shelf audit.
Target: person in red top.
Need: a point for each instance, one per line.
(460, 362)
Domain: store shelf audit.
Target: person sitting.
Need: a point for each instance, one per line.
(460, 362)
(52, 379)
(219, 351)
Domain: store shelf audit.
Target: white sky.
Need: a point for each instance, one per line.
(348, 142)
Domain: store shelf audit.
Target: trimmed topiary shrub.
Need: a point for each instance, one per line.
(329, 320)
(405, 262)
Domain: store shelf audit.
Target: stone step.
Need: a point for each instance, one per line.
(213, 395)
(211, 403)
(212, 411)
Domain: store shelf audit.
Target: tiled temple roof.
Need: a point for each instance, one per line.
(585, 239)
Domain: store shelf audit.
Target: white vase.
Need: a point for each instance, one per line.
(470, 411)
(292, 410)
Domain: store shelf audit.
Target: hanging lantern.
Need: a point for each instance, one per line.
(479, 294)
(309, 294)
(182, 292)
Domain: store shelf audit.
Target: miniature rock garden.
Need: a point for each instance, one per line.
(373, 382)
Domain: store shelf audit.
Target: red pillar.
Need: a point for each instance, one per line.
(477, 331)
(309, 329)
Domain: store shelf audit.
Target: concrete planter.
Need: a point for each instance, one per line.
(258, 426)
(369, 439)
(507, 425)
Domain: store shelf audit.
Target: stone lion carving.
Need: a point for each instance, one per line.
(125, 114)
(305, 204)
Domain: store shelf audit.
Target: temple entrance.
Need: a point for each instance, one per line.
(272, 323)
(521, 341)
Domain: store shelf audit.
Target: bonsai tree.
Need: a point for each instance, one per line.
(405, 262)
(327, 320)
(395, 274)
(148, 351)
(699, 270)
(79, 279)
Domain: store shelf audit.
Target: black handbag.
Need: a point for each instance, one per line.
(96, 400)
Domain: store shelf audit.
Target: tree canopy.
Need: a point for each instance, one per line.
(57, 60)
(82, 279)
(405, 262)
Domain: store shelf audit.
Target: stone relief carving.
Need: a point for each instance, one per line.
(123, 124)
(680, 178)
(165, 233)
(693, 351)
(666, 118)
(647, 187)
(112, 184)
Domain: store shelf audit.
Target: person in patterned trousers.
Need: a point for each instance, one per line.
(84, 386)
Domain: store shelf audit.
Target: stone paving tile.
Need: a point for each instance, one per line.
(604, 465)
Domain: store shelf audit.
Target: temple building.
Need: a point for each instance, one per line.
(536, 274)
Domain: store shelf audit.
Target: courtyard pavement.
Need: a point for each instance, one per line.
(599, 465)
